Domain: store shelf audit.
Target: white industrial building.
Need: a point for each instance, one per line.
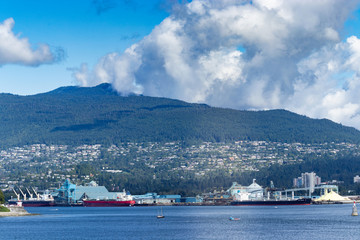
(252, 192)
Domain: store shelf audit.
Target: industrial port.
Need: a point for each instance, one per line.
(309, 189)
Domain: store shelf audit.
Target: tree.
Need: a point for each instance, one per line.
(2, 197)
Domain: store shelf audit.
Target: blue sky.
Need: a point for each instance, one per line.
(77, 27)
(303, 56)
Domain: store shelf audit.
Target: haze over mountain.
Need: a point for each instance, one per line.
(78, 115)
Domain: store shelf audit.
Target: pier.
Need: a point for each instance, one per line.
(308, 190)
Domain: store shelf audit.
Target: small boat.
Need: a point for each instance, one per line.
(161, 215)
(354, 210)
(234, 219)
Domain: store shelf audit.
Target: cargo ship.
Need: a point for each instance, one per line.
(41, 200)
(123, 199)
(300, 201)
(32, 202)
(254, 196)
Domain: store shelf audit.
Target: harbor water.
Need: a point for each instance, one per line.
(190, 222)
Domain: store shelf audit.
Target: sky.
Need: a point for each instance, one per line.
(303, 56)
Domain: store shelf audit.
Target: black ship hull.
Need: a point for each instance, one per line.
(33, 203)
(302, 201)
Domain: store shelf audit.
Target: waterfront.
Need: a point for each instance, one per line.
(261, 222)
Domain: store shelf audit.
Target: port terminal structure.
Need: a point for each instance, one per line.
(308, 190)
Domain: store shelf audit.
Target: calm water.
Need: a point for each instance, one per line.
(283, 222)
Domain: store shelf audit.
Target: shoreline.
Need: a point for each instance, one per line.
(15, 214)
(16, 211)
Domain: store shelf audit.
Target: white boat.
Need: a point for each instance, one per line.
(161, 215)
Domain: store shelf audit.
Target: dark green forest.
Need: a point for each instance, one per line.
(140, 179)
(76, 115)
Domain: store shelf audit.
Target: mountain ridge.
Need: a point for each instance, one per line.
(86, 115)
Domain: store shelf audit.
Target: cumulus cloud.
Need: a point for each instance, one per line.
(259, 54)
(329, 83)
(17, 50)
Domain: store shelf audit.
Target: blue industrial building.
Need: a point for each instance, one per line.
(70, 194)
(189, 200)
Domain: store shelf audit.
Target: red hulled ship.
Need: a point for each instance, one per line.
(123, 199)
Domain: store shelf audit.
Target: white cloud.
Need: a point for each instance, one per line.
(17, 50)
(258, 54)
(115, 69)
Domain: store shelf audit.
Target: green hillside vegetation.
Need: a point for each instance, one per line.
(75, 115)
(139, 179)
(2, 201)
(4, 209)
(2, 197)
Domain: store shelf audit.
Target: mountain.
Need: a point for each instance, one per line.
(77, 115)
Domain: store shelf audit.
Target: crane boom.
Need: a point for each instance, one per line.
(17, 195)
(23, 194)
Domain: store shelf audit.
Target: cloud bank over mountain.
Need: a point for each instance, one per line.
(258, 54)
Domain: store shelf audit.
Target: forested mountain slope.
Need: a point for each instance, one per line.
(77, 115)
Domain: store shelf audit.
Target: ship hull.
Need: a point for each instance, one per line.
(34, 203)
(107, 203)
(303, 201)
